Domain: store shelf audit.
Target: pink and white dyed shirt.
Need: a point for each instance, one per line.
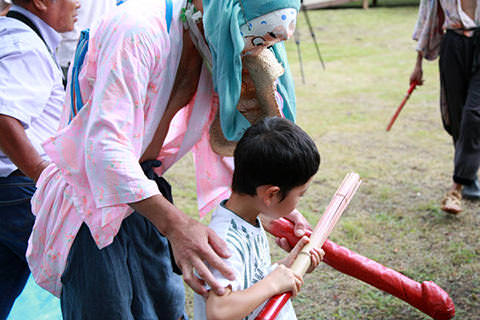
(126, 80)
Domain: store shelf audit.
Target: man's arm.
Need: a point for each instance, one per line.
(193, 244)
(235, 305)
(417, 73)
(17, 147)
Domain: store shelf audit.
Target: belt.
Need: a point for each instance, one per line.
(17, 173)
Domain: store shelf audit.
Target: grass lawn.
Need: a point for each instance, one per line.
(394, 218)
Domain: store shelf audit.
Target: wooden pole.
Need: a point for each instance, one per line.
(322, 230)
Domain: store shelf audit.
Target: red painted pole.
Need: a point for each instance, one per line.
(426, 296)
(413, 85)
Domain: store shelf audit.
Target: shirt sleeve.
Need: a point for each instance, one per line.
(428, 32)
(237, 264)
(26, 81)
(126, 55)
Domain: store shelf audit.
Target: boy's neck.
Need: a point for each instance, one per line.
(243, 206)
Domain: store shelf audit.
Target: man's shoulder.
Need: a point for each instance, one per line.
(137, 17)
(17, 37)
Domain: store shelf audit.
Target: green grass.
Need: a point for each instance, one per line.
(395, 217)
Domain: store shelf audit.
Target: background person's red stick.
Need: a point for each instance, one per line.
(413, 85)
(426, 296)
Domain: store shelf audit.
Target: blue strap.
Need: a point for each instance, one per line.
(81, 51)
(168, 13)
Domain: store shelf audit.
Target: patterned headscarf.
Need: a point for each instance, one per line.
(226, 22)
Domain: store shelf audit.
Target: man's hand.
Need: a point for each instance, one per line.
(417, 73)
(301, 225)
(17, 147)
(194, 244)
(39, 169)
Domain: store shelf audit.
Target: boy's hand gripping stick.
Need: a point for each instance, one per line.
(319, 235)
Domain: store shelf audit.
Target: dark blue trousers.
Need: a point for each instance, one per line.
(16, 222)
(132, 278)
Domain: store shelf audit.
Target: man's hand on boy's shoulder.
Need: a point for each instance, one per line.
(193, 244)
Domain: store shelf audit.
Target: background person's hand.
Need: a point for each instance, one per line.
(193, 244)
(417, 75)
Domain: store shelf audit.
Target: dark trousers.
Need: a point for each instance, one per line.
(16, 223)
(132, 278)
(461, 87)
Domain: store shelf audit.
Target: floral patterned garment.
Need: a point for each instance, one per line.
(128, 73)
(429, 28)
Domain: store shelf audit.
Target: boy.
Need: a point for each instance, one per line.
(275, 161)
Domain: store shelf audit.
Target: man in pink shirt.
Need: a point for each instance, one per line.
(107, 236)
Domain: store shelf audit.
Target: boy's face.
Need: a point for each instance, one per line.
(281, 208)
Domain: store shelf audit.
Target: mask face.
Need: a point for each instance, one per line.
(257, 98)
(246, 33)
(269, 29)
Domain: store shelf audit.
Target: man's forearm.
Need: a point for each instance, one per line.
(163, 214)
(419, 59)
(15, 144)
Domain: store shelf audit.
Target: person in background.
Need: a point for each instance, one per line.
(31, 98)
(275, 162)
(450, 29)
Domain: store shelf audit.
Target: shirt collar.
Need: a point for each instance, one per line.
(51, 37)
(246, 226)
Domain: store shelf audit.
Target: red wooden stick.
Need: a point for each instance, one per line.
(400, 107)
(426, 296)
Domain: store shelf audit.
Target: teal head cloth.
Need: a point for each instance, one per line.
(222, 20)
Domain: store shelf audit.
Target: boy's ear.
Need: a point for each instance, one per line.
(268, 193)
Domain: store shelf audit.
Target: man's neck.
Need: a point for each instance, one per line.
(243, 206)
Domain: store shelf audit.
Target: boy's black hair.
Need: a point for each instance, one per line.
(277, 152)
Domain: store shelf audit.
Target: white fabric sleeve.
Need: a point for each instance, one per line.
(238, 266)
(25, 82)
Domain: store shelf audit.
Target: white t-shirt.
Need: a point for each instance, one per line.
(250, 259)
